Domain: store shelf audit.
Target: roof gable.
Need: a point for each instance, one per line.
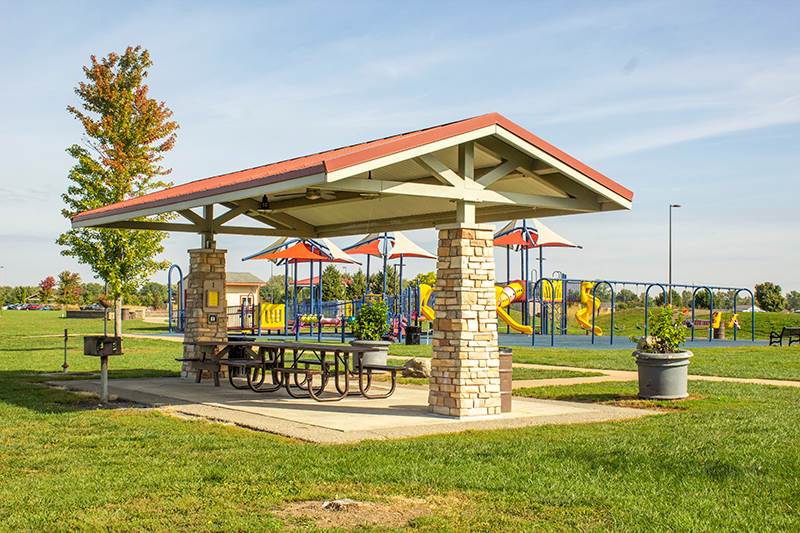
(339, 159)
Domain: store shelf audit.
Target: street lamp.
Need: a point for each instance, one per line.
(669, 291)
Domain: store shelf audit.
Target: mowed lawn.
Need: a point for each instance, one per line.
(743, 361)
(726, 459)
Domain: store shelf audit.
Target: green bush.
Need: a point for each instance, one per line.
(667, 334)
(371, 322)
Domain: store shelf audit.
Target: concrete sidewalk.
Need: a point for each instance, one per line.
(405, 414)
(630, 375)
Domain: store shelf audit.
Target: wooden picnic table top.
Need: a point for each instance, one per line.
(288, 344)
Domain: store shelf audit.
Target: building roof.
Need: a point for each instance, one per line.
(408, 164)
(243, 278)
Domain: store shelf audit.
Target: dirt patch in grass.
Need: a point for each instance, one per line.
(395, 512)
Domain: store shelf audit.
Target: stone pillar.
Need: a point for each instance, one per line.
(465, 370)
(206, 320)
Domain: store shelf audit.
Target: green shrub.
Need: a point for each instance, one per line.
(371, 322)
(666, 333)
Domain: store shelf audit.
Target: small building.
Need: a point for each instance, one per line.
(242, 287)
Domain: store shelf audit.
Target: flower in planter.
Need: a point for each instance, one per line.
(372, 322)
(667, 334)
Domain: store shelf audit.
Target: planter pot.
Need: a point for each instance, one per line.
(663, 376)
(379, 353)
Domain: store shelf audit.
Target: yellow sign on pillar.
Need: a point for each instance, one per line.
(212, 301)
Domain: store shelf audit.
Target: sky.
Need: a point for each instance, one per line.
(695, 103)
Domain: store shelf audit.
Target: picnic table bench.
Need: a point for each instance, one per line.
(293, 366)
(790, 333)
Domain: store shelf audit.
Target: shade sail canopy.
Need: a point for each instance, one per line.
(372, 245)
(547, 238)
(530, 235)
(403, 247)
(302, 251)
(397, 244)
(418, 179)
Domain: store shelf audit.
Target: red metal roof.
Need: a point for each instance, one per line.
(341, 158)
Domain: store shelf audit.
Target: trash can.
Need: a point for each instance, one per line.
(505, 379)
(413, 334)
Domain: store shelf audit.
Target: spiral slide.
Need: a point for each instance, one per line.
(590, 306)
(513, 292)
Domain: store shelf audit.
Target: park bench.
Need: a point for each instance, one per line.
(790, 333)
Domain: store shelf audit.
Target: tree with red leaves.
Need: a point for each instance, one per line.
(46, 288)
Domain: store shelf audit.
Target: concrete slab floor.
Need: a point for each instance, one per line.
(353, 419)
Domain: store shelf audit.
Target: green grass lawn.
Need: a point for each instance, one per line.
(517, 373)
(724, 460)
(770, 362)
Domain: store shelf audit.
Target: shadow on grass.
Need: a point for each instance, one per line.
(39, 349)
(29, 390)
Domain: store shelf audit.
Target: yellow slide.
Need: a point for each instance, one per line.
(507, 295)
(590, 306)
(513, 292)
(424, 295)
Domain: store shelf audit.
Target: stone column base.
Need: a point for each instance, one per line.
(465, 370)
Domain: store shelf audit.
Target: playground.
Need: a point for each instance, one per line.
(555, 311)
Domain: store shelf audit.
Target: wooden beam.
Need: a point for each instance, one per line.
(439, 170)
(192, 217)
(466, 160)
(499, 172)
(234, 211)
(509, 153)
(485, 214)
(154, 226)
(399, 188)
(283, 219)
(190, 228)
(303, 203)
(469, 195)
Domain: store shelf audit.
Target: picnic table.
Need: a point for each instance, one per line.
(293, 366)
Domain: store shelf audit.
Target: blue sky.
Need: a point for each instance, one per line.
(690, 102)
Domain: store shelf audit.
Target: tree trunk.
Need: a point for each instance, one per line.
(117, 317)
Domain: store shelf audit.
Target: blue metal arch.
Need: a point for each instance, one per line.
(647, 303)
(180, 319)
(752, 312)
(710, 310)
(594, 314)
(536, 285)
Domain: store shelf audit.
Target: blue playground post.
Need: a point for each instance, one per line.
(710, 309)
(752, 313)
(552, 315)
(595, 311)
(647, 303)
(285, 299)
(179, 320)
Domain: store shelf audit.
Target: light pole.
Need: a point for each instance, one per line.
(669, 290)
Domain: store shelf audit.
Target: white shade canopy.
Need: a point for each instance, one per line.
(403, 247)
(549, 238)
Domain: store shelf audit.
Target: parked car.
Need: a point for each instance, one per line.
(92, 307)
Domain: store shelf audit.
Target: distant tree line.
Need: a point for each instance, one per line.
(68, 289)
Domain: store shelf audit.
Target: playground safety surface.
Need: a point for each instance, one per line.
(404, 414)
